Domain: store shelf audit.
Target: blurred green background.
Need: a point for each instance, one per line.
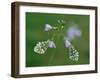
(35, 24)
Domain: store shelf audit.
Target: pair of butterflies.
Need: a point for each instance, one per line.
(41, 47)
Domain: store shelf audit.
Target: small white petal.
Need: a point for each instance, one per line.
(52, 44)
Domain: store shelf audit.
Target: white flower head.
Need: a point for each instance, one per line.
(48, 27)
(52, 44)
(67, 44)
(73, 32)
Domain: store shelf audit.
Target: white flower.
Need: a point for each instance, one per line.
(37, 50)
(48, 27)
(67, 44)
(73, 32)
(52, 44)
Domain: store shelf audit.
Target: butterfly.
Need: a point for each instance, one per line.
(42, 46)
(73, 53)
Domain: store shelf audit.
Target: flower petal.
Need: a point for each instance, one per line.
(48, 27)
(67, 44)
(52, 44)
